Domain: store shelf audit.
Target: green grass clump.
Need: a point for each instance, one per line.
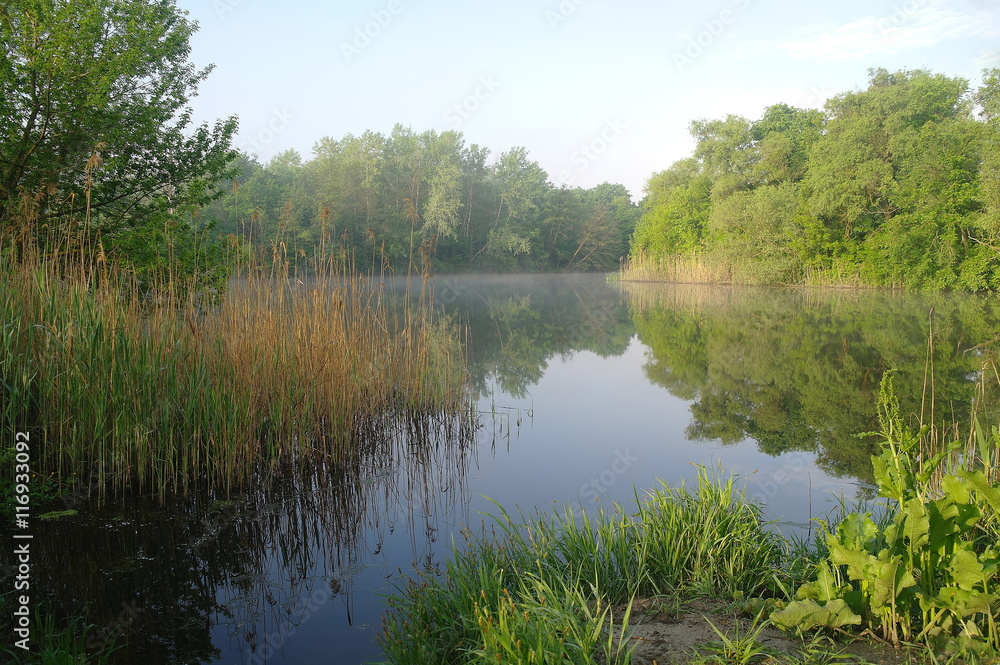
(547, 585)
(77, 642)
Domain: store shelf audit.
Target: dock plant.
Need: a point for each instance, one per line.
(928, 574)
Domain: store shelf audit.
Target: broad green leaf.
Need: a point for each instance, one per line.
(891, 484)
(56, 514)
(808, 614)
(942, 514)
(965, 569)
(977, 480)
(916, 525)
(858, 562)
(890, 580)
(857, 531)
(824, 588)
(961, 602)
(955, 489)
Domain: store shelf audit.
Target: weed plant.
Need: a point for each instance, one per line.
(931, 572)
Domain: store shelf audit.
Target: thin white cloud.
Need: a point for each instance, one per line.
(913, 25)
(988, 59)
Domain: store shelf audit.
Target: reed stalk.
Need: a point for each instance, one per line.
(157, 387)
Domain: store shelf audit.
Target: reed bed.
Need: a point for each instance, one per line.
(700, 267)
(123, 389)
(693, 268)
(542, 588)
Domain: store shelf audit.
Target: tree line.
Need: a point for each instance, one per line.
(894, 185)
(427, 199)
(98, 152)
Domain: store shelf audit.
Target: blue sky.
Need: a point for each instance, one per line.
(596, 90)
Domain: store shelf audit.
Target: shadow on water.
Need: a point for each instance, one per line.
(207, 578)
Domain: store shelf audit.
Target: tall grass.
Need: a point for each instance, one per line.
(693, 268)
(716, 267)
(543, 587)
(128, 386)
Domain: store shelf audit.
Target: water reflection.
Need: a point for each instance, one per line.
(800, 369)
(518, 323)
(208, 578)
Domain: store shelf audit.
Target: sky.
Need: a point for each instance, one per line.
(597, 91)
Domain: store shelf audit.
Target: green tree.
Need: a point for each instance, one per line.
(988, 99)
(675, 210)
(853, 168)
(444, 197)
(782, 138)
(725, 151)
(104, 83)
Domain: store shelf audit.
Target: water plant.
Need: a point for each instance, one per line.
(931, 573)
(126, 386)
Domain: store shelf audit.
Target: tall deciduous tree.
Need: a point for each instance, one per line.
(80, 78)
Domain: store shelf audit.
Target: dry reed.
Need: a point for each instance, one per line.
(129, 390)
(690, 268)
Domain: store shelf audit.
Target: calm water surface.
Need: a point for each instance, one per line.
(586, 391)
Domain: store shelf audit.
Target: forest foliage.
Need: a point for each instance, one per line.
(99, 153)
(98, 148)
(894, 185)
(426, 199)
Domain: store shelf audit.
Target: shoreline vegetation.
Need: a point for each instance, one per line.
(700, 268)
(920, 568)
(894, 186)
(162, 389)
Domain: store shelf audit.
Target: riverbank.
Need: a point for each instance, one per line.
(713, 268)
(918, 570)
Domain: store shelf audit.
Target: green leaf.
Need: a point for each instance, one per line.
(56, 514)
(977, 480)
(808, 614)
(891, 579)
(916, 525)
(960, 602)
(955, 489)
(965, 569)
(943, 525)
(824, 588)
(851, 543)
(857, 531)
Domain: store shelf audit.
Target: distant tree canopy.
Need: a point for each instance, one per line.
(95, 127)
(427, 198)
(898, 184)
